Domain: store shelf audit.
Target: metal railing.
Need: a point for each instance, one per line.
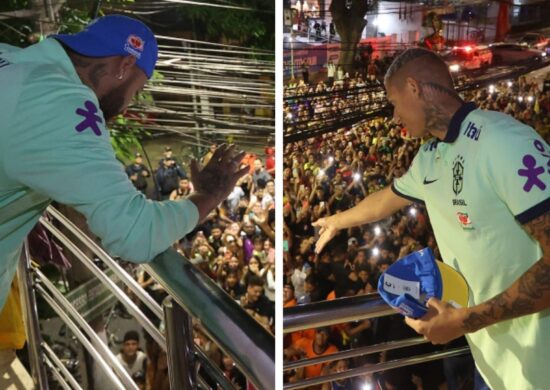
(192, 295)
(344, 310)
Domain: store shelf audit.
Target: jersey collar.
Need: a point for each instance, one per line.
(456, 121)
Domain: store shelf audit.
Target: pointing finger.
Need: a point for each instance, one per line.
(238, 158)
(227, 156)
(219, 152)
(320, 222)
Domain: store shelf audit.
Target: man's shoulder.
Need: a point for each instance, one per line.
(501, 135)
(54, 79)
(141, 355)
(489, 126)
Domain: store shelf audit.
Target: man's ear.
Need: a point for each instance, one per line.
(413, 86)
(126, 64)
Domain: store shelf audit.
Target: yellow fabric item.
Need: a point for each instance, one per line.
(12, 327)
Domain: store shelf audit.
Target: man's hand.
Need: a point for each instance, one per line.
(215, 181)
(327, 232)
(219, 175)
(441, 324)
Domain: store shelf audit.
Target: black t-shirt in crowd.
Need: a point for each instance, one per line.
(341, 204)
(263, 306)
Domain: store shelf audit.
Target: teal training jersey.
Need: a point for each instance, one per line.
(54, 145)
(488, 177)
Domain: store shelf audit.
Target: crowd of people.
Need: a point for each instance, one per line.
(332, 172)
(308, 105)
(326, 175)
(234, 246)
(527, 101)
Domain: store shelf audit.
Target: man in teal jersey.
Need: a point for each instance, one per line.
(56, 98)
(484, 179)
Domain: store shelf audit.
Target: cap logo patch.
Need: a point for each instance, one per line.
(134, 45)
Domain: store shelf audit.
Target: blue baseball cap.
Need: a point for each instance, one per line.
(115, 35)
(409, 282)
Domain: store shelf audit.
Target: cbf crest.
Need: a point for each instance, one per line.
(458, 174)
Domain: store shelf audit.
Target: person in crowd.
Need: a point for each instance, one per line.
(255, 301)
(289, 300)
(168, 176)
(167, 154)
(331, 71)
(182, 191)
(138, 173)
(131, 357)
(231, 372)
(306, 348)
(209, 154)
(260, 177)
(336, 367)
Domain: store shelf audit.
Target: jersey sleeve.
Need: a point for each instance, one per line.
(59, 146)
(517, 162)
(409, 186)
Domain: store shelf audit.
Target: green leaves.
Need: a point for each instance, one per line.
(255, 29)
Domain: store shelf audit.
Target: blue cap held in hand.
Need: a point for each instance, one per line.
(409, 282)
(115, 35)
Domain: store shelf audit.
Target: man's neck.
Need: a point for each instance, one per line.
(130, 359)
(438, 117)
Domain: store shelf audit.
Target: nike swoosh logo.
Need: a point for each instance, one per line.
(426, 181)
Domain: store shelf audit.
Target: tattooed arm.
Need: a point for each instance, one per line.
(530, 293)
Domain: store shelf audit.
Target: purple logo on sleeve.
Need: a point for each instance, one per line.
(532, 173)
(90, 118)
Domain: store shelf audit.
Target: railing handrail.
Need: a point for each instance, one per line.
(408, 361)
(337, 311)
(132, 308)
(361, 351)
(58, 302)
(239, 335)
(130, 282)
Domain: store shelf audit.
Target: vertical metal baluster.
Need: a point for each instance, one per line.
(180, 344)
(28, 301)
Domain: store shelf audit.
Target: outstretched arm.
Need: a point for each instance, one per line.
(373, 208)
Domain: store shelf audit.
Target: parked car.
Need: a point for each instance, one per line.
(514, 54)
(465, 58)
(535, 41)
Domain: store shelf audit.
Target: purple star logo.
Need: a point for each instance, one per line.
(532, 173)
(91, 119)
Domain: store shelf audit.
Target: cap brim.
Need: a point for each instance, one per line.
(87, 44)
(455, 288)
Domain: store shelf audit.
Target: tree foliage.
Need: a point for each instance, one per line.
(17, 31)
(255, 29)
(349, 20)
